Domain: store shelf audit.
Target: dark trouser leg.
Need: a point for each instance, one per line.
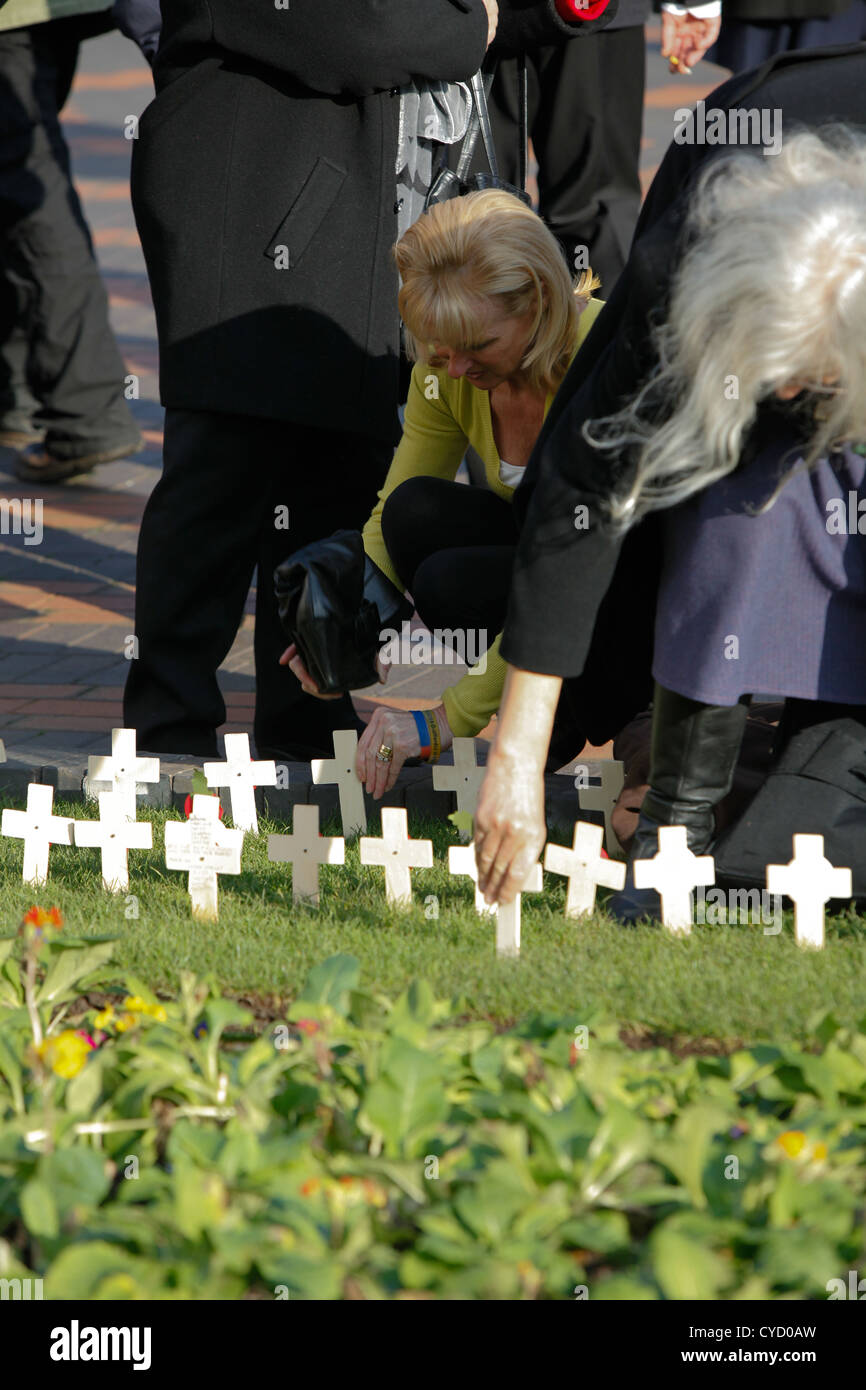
(803, 714)
(208, 521)
(694, 755)
(74, 368)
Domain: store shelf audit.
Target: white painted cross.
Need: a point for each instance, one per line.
(122, 772)
(305, 849)
(241, 775)
(204, 847)
(2, 751)
(810, 881)
(115, 836)
(461, 860)
(584, 868)
(674, 872)
(39, 828)
(604, 798)
(464, 778)
(342, 770)
(397, 855)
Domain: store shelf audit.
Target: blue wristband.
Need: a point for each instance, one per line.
(423, 732)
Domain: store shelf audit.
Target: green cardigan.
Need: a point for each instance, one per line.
(16, 13)
(441, 419)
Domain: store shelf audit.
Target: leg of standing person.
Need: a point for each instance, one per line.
(208, 522)
(74, 369)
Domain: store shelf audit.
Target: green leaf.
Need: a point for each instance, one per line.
(69, 966)
(687, 1151)
(464, 822)
(75, 1177)
(329, 983)
(10, 1067)
(684, 1267)
(39, 1210)
(84, 1090)
(408, 1098)
(6, 944)
(80, 1270)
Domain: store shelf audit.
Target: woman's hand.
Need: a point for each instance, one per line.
(492, 8)
(510, 825)
(291, 659)
(685, 39)
(397, 729)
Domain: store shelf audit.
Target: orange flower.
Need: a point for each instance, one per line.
(38, 917)
(310, 1187)
(308, 1026)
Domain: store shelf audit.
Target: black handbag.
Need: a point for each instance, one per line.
(818, 787)
(455, 183)
(334, 603)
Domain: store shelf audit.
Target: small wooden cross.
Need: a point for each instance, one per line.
(604, 798)
(464, 778)
(342, 770)
(584, 868)
(115, 836)
(674, 872)
(204, 847)
(397, 855)
(123, 771)
(241, 775)
(810, 881)
(39, 828)
(2, 751)
(305, 849)
(462, 860)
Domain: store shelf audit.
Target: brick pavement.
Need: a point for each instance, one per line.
(67, 605)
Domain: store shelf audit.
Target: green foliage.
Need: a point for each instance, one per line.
(370, 1148)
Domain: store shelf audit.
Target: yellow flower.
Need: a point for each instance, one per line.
(105, 1017)
(793, 1142)
(158, 1013)
(65, 1054)
(125, 1022)
(137, 1005)
(820, 1151)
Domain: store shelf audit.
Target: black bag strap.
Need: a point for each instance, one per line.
(523, 116)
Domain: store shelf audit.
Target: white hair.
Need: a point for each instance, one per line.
(771, 291)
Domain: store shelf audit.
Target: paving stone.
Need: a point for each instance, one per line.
(14, 781)
(67, 781)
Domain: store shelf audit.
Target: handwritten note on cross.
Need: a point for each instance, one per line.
(584, 868)
(464, 778)
(397, 855)
(115, 836)
(604, 798)
(203, 846)
(341, 769)
(305, 849)
(810, 881)
(241, 775)
(674, 872)
(39, 828)
(123, 771)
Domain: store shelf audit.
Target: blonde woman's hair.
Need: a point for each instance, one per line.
(489, 247)
(771, 290)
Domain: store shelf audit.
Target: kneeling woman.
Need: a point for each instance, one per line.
(748, 434)
(493, 323)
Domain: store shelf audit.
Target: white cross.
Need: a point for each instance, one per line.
(397, 855)
(39, 829)
(115, 836)
(305, 849)
(584, 868)
(809, 880)
(241, 775)
(123, 771)
(206, 848)
(673, 873)
(464, 778)
(342, 770)
(604, 798)
(462, 860)
(2, 751)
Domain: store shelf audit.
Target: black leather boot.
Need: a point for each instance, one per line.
(694, 755)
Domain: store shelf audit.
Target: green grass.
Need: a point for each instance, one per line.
(724, 982)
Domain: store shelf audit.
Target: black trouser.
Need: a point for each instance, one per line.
(585, 120)
(208, 522)
(58, 356)
(453, 547)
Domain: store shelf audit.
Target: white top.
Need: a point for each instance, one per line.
(510, 473)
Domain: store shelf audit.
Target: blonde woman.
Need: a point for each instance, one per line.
(493, 322)
(746, 439)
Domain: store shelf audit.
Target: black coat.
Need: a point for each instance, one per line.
(582, 603)
(278, 128)
(756, 11)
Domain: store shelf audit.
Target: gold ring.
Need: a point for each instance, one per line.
(385, 753)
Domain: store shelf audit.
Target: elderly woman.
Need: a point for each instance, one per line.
(493, 323)
(745, 435)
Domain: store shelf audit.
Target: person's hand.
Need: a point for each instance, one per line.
(492, 9)
(510, 825)
(686, 39)
(291, 659)
(397, 729)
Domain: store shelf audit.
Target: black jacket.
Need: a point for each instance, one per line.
(754, 11)
(278, 128)
(582, 603)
